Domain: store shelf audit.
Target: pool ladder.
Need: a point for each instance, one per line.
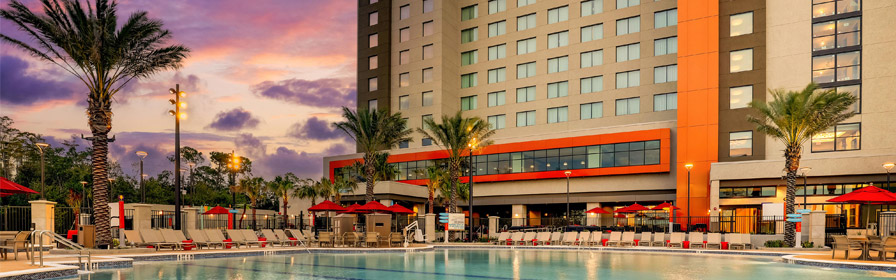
(60, 240)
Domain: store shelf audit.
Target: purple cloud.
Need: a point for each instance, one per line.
(233, 120)
(287, 160)
(20, 88)
(315, 129)
(330, 93)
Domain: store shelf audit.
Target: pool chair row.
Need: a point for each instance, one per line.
(629, 238)
(208, 238)
(357, 239)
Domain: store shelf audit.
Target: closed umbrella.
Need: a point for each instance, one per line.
(867, 195)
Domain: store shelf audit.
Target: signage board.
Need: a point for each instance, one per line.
(794, 220)
(455, 221)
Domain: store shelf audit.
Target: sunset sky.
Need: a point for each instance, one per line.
(264, 78)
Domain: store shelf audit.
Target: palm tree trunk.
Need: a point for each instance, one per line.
(285, 218)
(370, 173)
(792, 164)
(242, 216)
(430, 200)
(100, 122)
(452, 200)
(254, 217)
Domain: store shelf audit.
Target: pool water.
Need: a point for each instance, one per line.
(482, 264)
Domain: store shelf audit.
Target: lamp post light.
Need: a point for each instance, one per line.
(805, 171)
(177, 117)
(888, 166)
(689, 166)
(568, 217)
(472, 145)
(40, 147)
(142, 155)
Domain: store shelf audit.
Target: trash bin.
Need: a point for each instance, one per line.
(87, 236)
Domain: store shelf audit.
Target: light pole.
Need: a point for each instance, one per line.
(177, 117)
(192, 186)
(888, 166)
(568, 217)
(805, 171)
(472, 145)
(689, 166)
(84, 193)
(142, 155)
(40, 147)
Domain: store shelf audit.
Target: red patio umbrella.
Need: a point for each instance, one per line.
(353, 209)
(217, 210)
(867, 195)
(632, 208)
(664, 206)
(398, 209)
(374, 206)
(597, 210)
(327, 206)
(9, 187)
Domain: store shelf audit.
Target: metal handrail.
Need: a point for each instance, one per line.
(59, 239)
(408, 228)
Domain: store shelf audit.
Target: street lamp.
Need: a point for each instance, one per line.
(40, 147)
(472, 145)
(888, 166)
(142, 155)
(689, 166)
(805, 171)
(178, 115)
(568, 217)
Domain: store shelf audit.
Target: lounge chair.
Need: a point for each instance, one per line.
(238, 237)
(556, 237)
(350, 238)
(250, 235)
(595, 238)
(155, 239)
(528, 238)
(16, 245)
(714, 240)
(646, 239)
(133, 238)
(371, 238)
(272, 238)
(542, 238)
(311, 239)
(216, 234)
(170, 236)
(502, 237)
(659, 240)
(201, 240)
(615, 238)
(883, 247)
(695, 239)
(569, 238)
(741, 241)
(628, 238)
(842, 243)
(325, 237)
(676, 240)
(396, 238)
(515, 238)
(282, 235)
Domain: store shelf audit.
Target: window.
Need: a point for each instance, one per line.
(372, 84)
(427, 75)
(665, 46)
(404, 144)
(404, 79)
(836, 34)
(495, 6)
(750, 192)
(497, 28)
(628, 52)
(404, 57)
(592, 32)
(404, 34)
(468, 103)
(373, 40)
(592, 58)
(427, 51)
(665, 18)
(559, 39)
(558, 114)
(740, 144)
(470, 57)
(427, 98)
(592, 110)
(469, 12)
(856, 90)
(741, 24)
(628, 106)
(469, 35)
(374, 18)
(525, 22)
(497, 52)
(497, 75)
(496, 98)
(628, 79)
(663, 74)
(592, 84)
(497, 121)
(427, 7)
(525, 94)
(558, 14)
(426, 142)
(520, 3)
(428, 28)
(740, 97)
(404, 102)
(404, 11)
(525, 70)
(628, 25)
(592, 7)
(821, 8)
(525, 46)
(558, 64)
(468, 80)
(665, 101)
(626, 3)
(372, 104)
(558, 89)
(842, 137)
(374, 1)
(836, 67)
(373, 62)
(526, 118)
(741, 60)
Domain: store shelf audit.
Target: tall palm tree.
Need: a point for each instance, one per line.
(455, 134)
(283, 187)
(435, 176)
(325, 188)
(793, 117)
(88, 43)
(252, 188)
(308, 189)
(373, 131)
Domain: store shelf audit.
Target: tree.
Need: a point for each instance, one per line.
(283, 187)
(455, 134)
(436, 178)
(308, 189)
(252, 188)
(334, 189)
(88, 43)
(373, 131)
(793, 117)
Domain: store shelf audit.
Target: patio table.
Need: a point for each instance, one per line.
(865, 242)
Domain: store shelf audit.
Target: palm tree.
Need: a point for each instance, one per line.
(252, 188)
(435, 176)
(308, 189)
(88, 43)
(373, 131)
(325, 188)
(456, 134)
(283, 187)
(793, 117)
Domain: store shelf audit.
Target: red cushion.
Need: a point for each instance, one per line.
(227, 245)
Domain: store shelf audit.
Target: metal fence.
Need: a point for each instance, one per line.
(65, 218)
(128, 219)
(719, 223)
(15, 218)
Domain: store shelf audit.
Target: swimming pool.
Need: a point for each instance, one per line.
(481, 264)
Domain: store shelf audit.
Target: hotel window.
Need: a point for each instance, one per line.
(497, 75)
(374, 18)
(842, 137)
(559, 39)
(468, 80)
(822, 8)
(372, 104)
(427, 28)
(663, 74)
(628, 52)
(470, 57)
(404, 144)
(497, 52)
(373, 62)
(740, 144)
(558, 114)
(404, 79)
(592, 7)
(526, 118)
(497, 121)
(740, 97)
(856, 90)
(628, 25)
(628, 79)
(525, 46)
(525, 70)
(836, 67)
(558, 89)
(469, 12)
(425, 118)
(427, 75)
(497, 28)
(469, 35)
(665, 46)
(372, 84)
(665, 102)
(741, 60)
(497, 98)
(741, 24)
(427, 6)
(525, 22)
(558, 14)
(404, 34)
(495, 6)
(427, 51)
(626, 3)
(592, 84)
(520, 3)
(373, 40)
(592, 32)
(592, 58)
(836, 34)
(427, 98)
(404, 102)
(404, 57)
(592, 110)
(468, 103)
(558, 64)
(426, 142)
(628, 106)
(525, 94)
(750, 192)
(665, 18)
(404, 11)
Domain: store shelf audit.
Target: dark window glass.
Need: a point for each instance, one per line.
(622, 147)
(621, 158)
(636, 146)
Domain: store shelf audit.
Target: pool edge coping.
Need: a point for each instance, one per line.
(793, 259)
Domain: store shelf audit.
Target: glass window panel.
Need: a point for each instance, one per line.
(741, 24)
(741, 60)
(592, 7)
(495, 6)
(740, 97)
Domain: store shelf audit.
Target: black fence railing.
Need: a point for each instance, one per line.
(719, 223)
(128, 219)
(15, 218)
(65, 218)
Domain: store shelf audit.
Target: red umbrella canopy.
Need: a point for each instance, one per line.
(10, 187)
(597, 210)
(217, 210)
(374, 206)
(619, 216)
(664, 205)
(398, 209)
(326, 206)
(353, 209)
(632, 208)
(869, 194)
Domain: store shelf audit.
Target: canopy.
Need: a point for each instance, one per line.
(664, 206)
(374, 206)
(632, 208)
(326, 206)
(398, 209)
(8, 187)
(353, 209)
(597, 210)
(869, 194)
(217, 210)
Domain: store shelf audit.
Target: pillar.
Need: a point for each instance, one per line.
(43, 217)
(142, 216)
(430, 227)
(192, 218)
(520, 214)
(492, 226)
(816, 226)
(714, 195)
(592, 219)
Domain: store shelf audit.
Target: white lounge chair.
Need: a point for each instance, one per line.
(515, 238)
(569, 238)
(596, 238)
(676, 240)
(556, 238)
(615, 238)
(695, 239)
(714, 240)
(741, 241)
(529, 238)
(646, 239)
(502, 237)
(542, 238)
(659, 239)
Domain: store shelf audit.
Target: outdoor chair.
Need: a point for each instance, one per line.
(714, 239)
(371, 238)
(16, 245)
(200, 239)
(133, 238)
(645, 239)
(528, 238)
(615, 238)
(169, 236)
(396, 238)
(676, 240)
(583, 239)
(325, 237)
(154, 238)
(250, 235)
(350, 239)
(883, 247)
(186, 242)
(214, 235)
(542, 238)
(238, 237)
(628, 238)
(273, 238)
(842, 243)
(556, 237)
(515, 238)
(502, 237)
(695, 239)
(741, 241)
(596, 238)
(282, 235)
(659, 240)
(569, 238)
(310, 236)
(731, 238)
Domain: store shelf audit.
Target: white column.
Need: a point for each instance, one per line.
(714, 195)
(142, 216)
(192, 217)
(492, 226)
(430, 227)
(593, 219)
(519, 215)
(816, 227)
(43, 217)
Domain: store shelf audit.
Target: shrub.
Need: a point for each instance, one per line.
(774, 243)
(808, 244)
